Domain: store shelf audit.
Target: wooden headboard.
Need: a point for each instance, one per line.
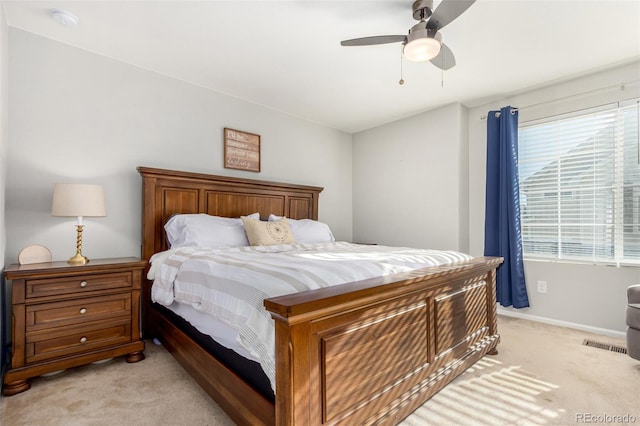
(169, 192)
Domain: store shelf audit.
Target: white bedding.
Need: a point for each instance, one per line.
(230, 284)
(217, 330)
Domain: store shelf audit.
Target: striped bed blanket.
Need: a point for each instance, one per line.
(232, 283)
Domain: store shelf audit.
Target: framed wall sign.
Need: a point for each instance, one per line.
(241, 150)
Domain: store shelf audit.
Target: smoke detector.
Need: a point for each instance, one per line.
(63, 17)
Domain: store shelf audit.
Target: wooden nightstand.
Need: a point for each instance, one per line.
(66, 315)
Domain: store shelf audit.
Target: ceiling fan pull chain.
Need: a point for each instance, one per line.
(401, 82)
(442, 72)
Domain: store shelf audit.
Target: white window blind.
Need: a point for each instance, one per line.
(580, 185)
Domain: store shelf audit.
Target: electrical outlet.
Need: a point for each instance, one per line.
(542, 286)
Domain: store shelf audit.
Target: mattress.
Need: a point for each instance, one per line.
(212, 327)
(249, 371)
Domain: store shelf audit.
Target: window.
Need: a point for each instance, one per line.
(580, 185)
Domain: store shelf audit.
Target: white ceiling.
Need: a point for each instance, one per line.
(286, 55)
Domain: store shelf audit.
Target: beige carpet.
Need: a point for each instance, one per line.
(543, 375)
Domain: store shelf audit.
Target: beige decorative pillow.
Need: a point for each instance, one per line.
(262, 233)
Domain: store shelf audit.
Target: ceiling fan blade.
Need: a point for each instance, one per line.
(367, 41)
(447, 12)
(445, 59)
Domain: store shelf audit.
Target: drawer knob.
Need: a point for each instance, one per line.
(83, 340)
(83, 310)
(83, 284)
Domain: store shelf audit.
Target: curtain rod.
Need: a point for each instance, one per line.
(575, 95)
(498, 113)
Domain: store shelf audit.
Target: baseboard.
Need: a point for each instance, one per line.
(582, 327)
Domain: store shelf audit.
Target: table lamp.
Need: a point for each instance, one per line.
(78, 200)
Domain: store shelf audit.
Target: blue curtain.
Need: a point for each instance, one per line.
(502, 236)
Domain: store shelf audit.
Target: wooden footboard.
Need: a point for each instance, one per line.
(373, 351)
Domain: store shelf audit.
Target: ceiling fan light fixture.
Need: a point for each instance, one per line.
(422, 46)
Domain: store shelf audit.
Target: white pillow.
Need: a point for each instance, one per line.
(204, 230)
(307, 230)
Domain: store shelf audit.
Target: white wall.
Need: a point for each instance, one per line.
(79, 117)
(4, 302)
(587, 295)
(410, 181)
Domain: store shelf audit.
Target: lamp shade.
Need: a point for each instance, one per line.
(77, 200)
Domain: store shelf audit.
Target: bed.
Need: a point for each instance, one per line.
(416, 330)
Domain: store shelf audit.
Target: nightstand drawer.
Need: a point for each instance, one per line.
(79, 284)
(77, 311)
(63, 342)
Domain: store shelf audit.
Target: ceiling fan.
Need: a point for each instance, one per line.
(424, 41)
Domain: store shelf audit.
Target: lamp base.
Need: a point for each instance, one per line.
(78, 259)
